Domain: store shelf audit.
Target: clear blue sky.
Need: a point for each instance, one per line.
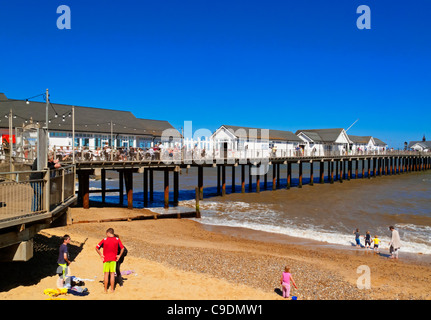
(271, 64)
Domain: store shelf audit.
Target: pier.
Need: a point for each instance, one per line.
(337, 168)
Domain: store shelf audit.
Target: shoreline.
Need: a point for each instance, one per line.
(272, 237)
(182, 259)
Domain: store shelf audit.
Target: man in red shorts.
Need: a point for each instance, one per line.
(109, 257)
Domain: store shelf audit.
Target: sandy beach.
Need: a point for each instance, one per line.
(180, 259)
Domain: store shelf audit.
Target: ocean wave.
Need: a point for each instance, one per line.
(261, 218)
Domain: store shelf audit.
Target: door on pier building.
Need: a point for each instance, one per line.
(224, 150)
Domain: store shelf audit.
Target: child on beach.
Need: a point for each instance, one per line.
(368, 240)
(376, 242)
(286, 277)
(357, 239)
(110, 257)
(63, 262)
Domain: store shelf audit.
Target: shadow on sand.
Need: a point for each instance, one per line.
(43, 264)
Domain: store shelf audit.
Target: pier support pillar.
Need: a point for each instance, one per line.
(300, 174)
(322, 171)
(176, 186)
(166, 187)
(332, 170)
(356, 168)
(250, 179)
(103, 182)
(121, 186)
(218, 180)
(311, 173)
(363, 168)
(341, 171)
(233, 179)
(223, 180)
(84, 187)
(201, 182)
(374, 167)
(289, 175)
(258, 183)
(369, 168)
(128, 179)
(349, 169)
(336, 177)
(274, 176)
(151, 176)
(278, 175)
(145, 178)
(265, 178)
(242, 178)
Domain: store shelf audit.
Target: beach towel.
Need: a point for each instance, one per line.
(54, 292)
(78, 291)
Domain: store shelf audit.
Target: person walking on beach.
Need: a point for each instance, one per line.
(357, 239)
(395, 243)
(286, 277)
(63, 261)
(110, 257)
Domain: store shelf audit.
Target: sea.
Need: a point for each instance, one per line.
(328, 213)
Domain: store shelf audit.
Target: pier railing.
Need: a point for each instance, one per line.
(205, 156)
(21, 196)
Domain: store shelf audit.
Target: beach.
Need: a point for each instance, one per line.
(181, 259)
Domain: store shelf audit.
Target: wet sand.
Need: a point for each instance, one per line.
(180, 259)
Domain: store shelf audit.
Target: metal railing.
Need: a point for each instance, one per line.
(176, 155)
(25, 193)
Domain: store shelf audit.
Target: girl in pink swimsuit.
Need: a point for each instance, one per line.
(286, 277)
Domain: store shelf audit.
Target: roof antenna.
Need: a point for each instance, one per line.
(352, 124)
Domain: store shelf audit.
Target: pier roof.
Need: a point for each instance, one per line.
(360, 139)
(87, 119)
(421, 143)
(379, 142)
(274, 135)
(322, 135)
